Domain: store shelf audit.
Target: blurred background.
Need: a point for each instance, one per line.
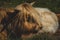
(53, 5)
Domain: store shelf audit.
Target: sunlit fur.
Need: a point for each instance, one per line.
(44, 17)
(49, 20)
(2, 13)
(28, 9)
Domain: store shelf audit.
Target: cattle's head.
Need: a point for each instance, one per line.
(29, 15)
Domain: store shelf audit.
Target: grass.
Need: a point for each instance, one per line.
(44, 36)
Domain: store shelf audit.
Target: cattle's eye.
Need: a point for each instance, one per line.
(30, 19)
(33, 20)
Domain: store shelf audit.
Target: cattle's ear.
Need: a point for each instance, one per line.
(32, 3)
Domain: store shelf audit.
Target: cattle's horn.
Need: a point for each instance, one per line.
(32, 3)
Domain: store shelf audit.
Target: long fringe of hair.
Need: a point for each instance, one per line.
(27, 20)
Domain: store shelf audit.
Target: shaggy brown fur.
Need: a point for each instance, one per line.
(2, 14)
(22, 22)
(6, 17)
